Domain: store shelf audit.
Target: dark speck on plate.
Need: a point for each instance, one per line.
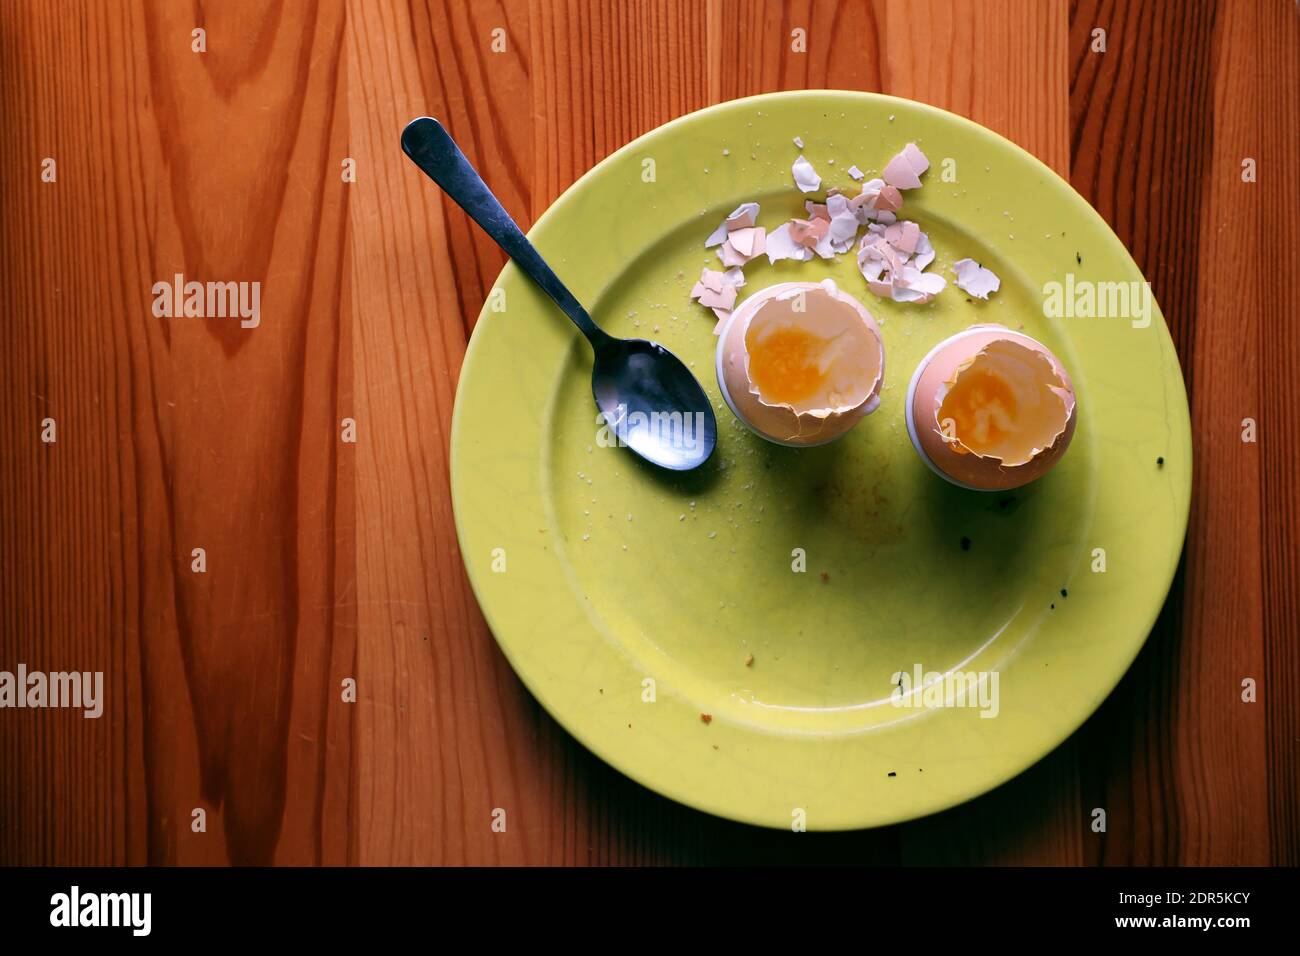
(892, 774)
(1064, 593)
(1160, 462)
(1078, 258)
(965, 544)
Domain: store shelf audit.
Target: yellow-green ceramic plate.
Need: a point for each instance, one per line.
(630, 601)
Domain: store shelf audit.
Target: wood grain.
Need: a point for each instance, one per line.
(330, 560)
(1275, 136)
(1159, 62)
(174, 435)
(1204, 770)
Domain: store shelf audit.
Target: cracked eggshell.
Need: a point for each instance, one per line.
(851, 356)
(1029, 372)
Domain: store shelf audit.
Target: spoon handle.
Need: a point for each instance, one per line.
(431, 148)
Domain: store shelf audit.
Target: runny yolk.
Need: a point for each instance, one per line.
(783, 367)
(983, 409)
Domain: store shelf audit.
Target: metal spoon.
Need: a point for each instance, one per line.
(648, 398)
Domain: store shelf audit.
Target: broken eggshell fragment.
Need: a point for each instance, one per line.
(904, 170)
(800, 363)
(990, 409)
(737, 238)
(974, 279)
(717, 291)
(893, 259)
(805, 177)
(743, 216)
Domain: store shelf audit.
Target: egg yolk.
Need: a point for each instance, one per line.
(783, 366)
(982, 408)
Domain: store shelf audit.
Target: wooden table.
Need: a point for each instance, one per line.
(328, 559)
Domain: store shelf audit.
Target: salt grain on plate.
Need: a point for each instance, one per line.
(857, 173)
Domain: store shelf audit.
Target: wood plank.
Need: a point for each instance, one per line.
(175, 433)
(1276, 137)
(1128, 162)
(1159, 136)
(448, 734)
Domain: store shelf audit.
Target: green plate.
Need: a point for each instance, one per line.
(629, 600)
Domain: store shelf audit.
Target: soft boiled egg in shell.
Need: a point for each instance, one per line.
(801, 362)
(990, 409)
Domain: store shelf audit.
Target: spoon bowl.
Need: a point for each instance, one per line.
(653, 404)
